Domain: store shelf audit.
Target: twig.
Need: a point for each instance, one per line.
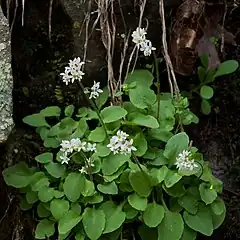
(50, 21)
(14, 17)
(23, 10)
(6, 211)
(224, 18)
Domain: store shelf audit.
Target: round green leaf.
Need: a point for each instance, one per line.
(56, 170)
(206, 92)
(31, 197)
(147, 233)
(171, 178)
(89, 188)
(143, 189)
(45, 229)
(102, 99)
(73, 186)
(153, 215)
(208, 194)
(159, 173)
(76, 208)
(108, 188)
(42, 211)
(226, 67)
(113, 162)
(36, 120)
(94, 222)
(81, 129)
(201, 222)
(205, 107)
(137, 202)
(69, 111)
(46, 194)
(171, 226)
(51, 111)
(143, 120)
(218, 219)
(112, 114)
(142, 77)
(24, 205)
(141, 145)
(218, 206)
(69, 220)
(39, 180)
(176, 145)
(59, 207)
(18, 176)
(97, 135)
(130, 211)
(188, 234)
(189, 203)
(44, 157)
(114, 216)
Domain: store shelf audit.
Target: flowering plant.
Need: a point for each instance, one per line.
(135, 166)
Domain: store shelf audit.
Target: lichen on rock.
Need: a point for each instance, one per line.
(6, 80)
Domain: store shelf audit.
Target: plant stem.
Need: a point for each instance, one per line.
(163, 202)
(158, 83)
(89, 168)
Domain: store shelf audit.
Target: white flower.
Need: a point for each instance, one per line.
(147, 48)
(185, 162)
(95, 90)
(64, 158)
(73, 71)
(139, 36)
(83, 170)
(66, 146)
(90, 162)
(120, 144)
(91, 147)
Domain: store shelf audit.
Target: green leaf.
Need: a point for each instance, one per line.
(130, 211)
(142, 96)
(176, 145)
(102, 99)
(51, 111)
(171, 178)
(147, 233)
(143, 189)
(97, 135)
(159, 173)
(59, 207)
(137, 202)
(204, 61)
(46, 194)
(217, 220)
(143, 120)
(226, 67)
(140, 143)
(206, 92)
(114, 216)
(110, 178)
(94, 221)
(218, 206)
(171, 226)
(201, 222)
(108, 188)
(142, 77)
(188, 234)
(207, 193)
(58, 194)
(36, 120)
(69, 111)
(76, 208)
(39, 181)
(56, 170)
(205, 107)
(51, 142)
(189, 203)
(24, 205)
(153, 215)
(176, 190)
(160, 134)
(112, 163)
(81, 129)
(45, 229)
(18, 176)
(96, 198)
(112, 114)
(42, 211)
(69, 220)
(31, 197)
(73, 186)
(201, 73)
(46, 157)
(89, 188)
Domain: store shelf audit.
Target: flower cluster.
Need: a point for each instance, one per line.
(95, 90)
(77, 145)
(185, 162)
(139, 37)
(73, 71)
(120, 144)
(88, 165)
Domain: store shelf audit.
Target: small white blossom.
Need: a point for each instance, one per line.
(64, 159)
(66, 146)
(185, 162)
(90, 162)
(147, 48)
(120, 144)
(91, 147)
(95, 90)
(139, 36)
(83, 170)
(73, 71)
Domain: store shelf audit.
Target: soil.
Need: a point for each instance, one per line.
(35, 68)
